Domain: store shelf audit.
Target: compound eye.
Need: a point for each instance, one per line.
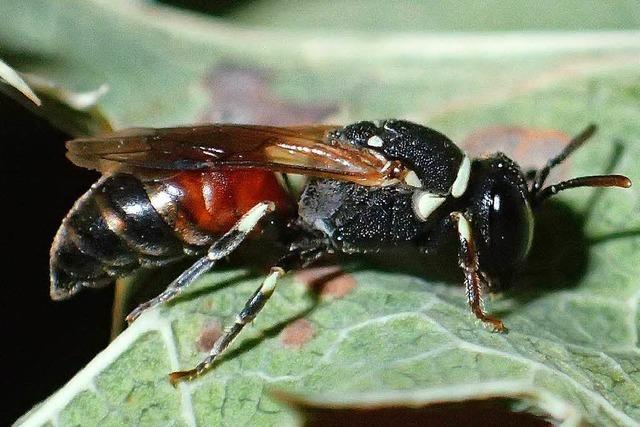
(511, 225)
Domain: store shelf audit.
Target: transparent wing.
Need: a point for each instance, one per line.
(304, 150)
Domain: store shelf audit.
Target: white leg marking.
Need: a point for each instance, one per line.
(462, 179)
(424, 203)
(464, 228)
(269, 283)
(251, 218)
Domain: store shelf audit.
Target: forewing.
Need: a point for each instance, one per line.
(304, 150)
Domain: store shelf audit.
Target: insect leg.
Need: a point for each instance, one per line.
(251, 309)
(469, 264)
(218, 250)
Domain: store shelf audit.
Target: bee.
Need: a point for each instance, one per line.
(170, 193)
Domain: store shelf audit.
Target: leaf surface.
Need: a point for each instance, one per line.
(402, 330)
(12, 78)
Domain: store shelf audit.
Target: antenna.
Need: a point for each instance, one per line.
(539, 194)
(584, 181)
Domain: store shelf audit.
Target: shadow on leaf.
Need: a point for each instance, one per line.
(474, 412)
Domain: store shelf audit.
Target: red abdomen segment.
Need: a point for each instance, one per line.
(122, 223)
(203, 205)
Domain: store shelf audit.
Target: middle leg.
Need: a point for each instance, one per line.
(218, 250)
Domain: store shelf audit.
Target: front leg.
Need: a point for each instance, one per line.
(468, 259)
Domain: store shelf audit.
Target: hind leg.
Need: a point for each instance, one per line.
(218, 250)
(252, 307)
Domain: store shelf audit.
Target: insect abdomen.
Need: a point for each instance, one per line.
(122, 224)
(112, 230)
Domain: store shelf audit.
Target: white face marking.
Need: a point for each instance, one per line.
(464, 228)
(375, 141)
(251, 218)
(424, 203)
(462, 180)
(413, 180)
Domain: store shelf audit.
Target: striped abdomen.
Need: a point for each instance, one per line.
(122, 224)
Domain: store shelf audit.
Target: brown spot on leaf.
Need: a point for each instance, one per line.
(327, 281)
(208, 336)
(297, 333)
(244, 95)
(530, 148)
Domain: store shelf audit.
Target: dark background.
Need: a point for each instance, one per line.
(39, 185)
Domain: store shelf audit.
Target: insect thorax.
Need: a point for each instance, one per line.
(357, 219)
(431, 155)
(360, 219)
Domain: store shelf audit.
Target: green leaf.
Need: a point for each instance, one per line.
(74, 113)
(10, 77)
(463, 15)
(403, 332)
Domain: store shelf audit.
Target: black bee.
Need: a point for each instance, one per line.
(170, 193)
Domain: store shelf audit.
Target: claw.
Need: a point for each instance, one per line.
(131, 317)
(496, 324)
(176, 377)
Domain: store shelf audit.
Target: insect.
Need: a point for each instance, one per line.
(169, 193)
